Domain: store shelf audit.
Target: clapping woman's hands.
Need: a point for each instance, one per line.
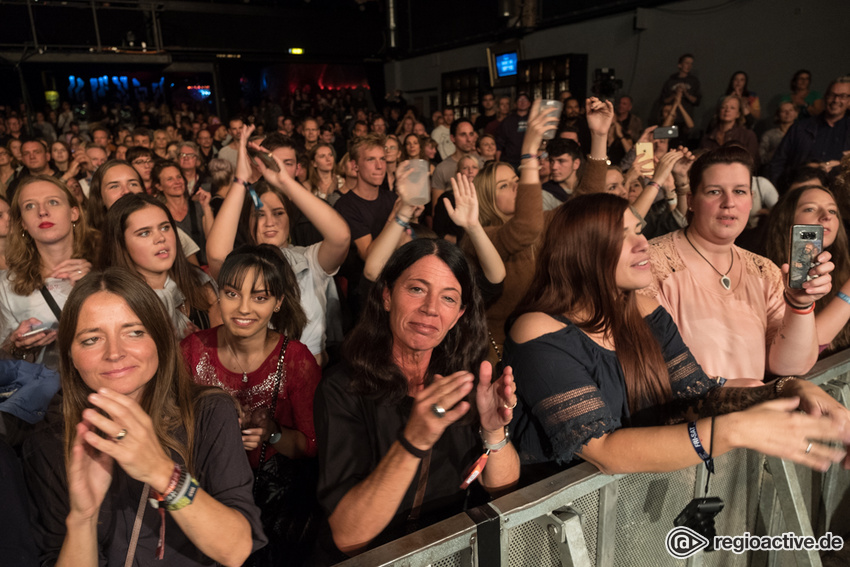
(497, 399)
(130, 440)
(89, 475)
(436, 407)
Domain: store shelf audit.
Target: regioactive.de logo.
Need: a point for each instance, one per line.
(682, 542)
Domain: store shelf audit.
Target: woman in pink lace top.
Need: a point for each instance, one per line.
(733, 308)
(260, 307)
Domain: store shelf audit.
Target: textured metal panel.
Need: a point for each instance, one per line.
(532, 546)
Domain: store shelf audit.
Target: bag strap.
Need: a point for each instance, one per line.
(424, 469)
(137, 526)
(280, 376)
(48, 297)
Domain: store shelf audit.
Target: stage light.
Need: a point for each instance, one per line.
(296, 51)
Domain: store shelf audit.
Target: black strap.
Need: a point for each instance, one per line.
(51, 302)
(280, 375)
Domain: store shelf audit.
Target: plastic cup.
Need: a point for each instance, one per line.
(546, 107)
(418, 181)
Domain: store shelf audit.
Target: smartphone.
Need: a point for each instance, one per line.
(665, 132)
(806, 245)
(699, 516)
(34, 331)
(264, 157)
(645, 149)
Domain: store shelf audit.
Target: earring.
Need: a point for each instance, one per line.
(276, 309)
(73, 225)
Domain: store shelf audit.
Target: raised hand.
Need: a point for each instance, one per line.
(665, 166)
(495, 400)
(599, 115)
(683, 166)
(464, 213)
(817, 287)
(538, 123)
(243, 162)
(89, 475)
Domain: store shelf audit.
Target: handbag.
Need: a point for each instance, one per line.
(285, 491)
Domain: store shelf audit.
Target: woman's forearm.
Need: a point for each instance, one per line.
(80, 545)
(832, 318)
(368, 508)
(223, 232)
(221, 533)
(488, 257)
(502, 470)
(385, 244)
(795, 348)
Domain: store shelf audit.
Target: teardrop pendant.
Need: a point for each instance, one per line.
(726, 282)
(245, 374)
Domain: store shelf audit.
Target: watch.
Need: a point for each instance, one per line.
(274, 438)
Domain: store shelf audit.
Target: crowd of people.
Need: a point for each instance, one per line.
(299, 333)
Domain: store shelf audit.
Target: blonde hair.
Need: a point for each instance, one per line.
(485, 186)
(22, 254)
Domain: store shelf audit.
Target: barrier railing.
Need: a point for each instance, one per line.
(582, 518)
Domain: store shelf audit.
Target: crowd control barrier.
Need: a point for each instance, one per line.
(582, 518)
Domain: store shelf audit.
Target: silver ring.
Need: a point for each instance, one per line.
(506, 406)
(121, 435)
(438, 410)
(809, 448)
(79, 271)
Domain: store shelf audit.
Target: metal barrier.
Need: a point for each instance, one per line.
(582, 518)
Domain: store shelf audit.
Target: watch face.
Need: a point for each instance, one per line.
(274, 438)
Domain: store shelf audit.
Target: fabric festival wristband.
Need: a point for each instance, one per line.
(527, 156)
(408, 446)
(694, 436)
(187, 498)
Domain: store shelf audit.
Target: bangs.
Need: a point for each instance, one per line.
(236, 269)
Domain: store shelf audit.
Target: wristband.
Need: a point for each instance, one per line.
(694, 437)
(527, 156)
(258, 204)
(605, 159)
(187, 496)
(494, 447)
(843, 297)
(799, 310)
(408, 446)
(653, 183)
(402, 223)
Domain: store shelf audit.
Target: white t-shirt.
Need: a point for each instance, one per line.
(313, 282)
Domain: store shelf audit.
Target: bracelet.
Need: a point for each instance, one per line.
(408, 446)
(591, 158)
(402, 223)
(657, 186)
(843, 297)
(527, 156)
(779, 383)
(528, 166)
(187, 497)
(237, 180)
(697, 444)
(798, 309)
(494, 447)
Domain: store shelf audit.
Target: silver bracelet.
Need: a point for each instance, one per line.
(493, 448)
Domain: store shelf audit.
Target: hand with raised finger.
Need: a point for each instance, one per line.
(89, 475)
(436, 407)
(495, 399)
(131, 440)
(464, 213)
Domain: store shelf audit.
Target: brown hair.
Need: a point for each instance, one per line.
(313, 176)
(485, 186)
(576, 276)
(169, 397)
(22, 254)
(95, 208)
(366, 142)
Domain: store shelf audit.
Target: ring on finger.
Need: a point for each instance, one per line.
(809, 448)
(506, 406)
(121, 435)
(438, 410)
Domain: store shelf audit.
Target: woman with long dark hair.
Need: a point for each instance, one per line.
(136, 430)
(413, 399)
(815, 204)
(597, 358)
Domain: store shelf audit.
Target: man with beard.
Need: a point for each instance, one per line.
(488, 112)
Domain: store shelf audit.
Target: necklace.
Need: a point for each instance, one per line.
(236, 359)
(724, 278)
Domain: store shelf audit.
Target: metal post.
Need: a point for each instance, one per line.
(793, 506)
(96, 26)
(391, 22)
(32, 24)
(606, 535)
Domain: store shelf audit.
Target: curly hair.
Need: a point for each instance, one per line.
(22, 255)
(368, 349)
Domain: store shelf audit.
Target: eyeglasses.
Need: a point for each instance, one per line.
(187, 155)
(841, 96)
(142, 162)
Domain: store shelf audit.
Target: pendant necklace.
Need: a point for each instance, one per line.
(236, 359)
(724, 278)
